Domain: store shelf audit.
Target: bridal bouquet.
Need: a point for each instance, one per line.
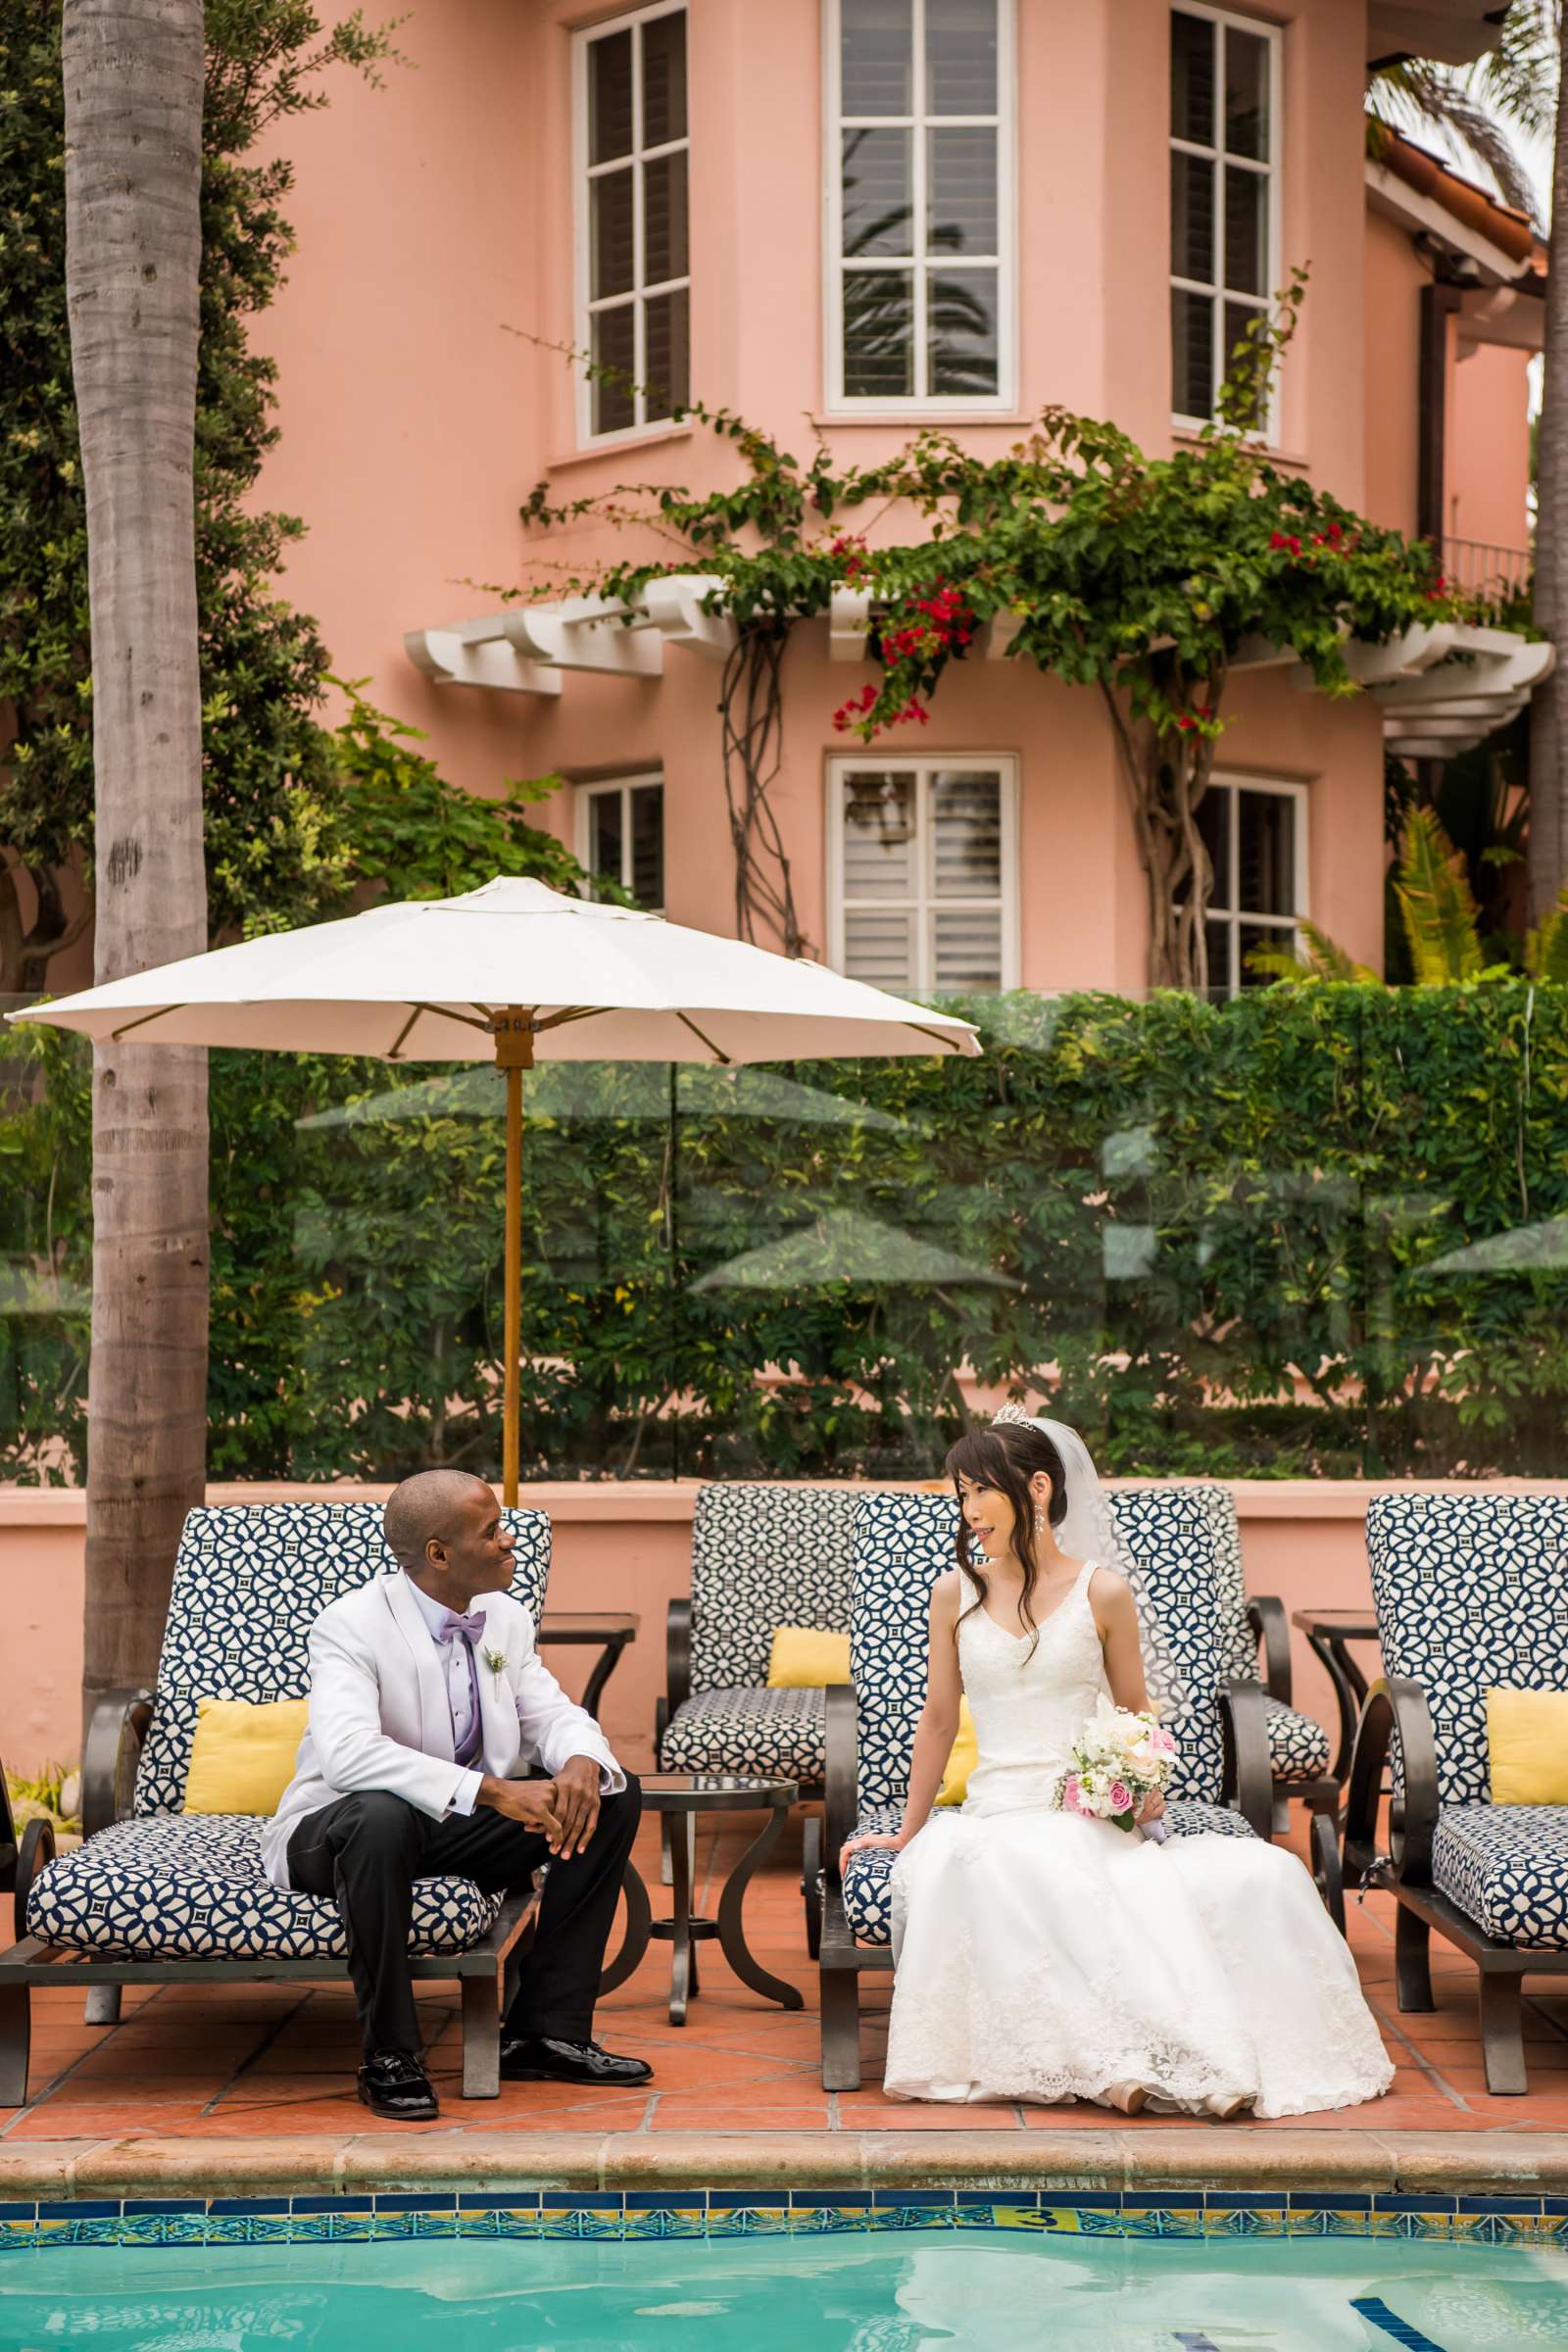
(1117, 1760)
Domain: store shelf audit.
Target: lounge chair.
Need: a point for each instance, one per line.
(762, 1556)
(156, 1896)
(1471, 1592)
(1299, 1746)
(903, 1543)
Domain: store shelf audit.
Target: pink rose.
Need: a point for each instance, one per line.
(1162, 1743)
(1070, 1795)
(1122, 1797)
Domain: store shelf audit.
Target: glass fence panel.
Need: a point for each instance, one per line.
(1311, 1232)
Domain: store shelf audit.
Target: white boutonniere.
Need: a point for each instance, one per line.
(496, 1660)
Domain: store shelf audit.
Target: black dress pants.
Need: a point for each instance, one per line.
(366, 1851)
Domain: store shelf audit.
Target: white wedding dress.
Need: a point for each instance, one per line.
(1045, 1957)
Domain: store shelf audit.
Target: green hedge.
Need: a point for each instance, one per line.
(1224, 1226)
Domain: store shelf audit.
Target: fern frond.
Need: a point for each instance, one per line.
(1546, 948)
(1325, 960)
(1436, 904)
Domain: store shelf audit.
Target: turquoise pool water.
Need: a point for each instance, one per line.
(858, 2294)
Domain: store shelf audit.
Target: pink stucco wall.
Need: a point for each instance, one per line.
(1393, 277)
(619, 1547)
(401, 394)
(1488, 446)
(434, 219)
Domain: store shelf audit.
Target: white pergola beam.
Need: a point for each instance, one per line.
(452, 660)
(598, 641)
(849, 617)
(674, 608)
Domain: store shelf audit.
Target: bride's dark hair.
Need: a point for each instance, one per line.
(1007, 1457)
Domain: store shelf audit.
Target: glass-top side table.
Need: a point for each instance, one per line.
(688, 1793)
(1329, 1634)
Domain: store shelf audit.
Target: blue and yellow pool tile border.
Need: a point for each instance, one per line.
(621, 2215)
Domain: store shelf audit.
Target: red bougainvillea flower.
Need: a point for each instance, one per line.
(849, 713)
(851, 548)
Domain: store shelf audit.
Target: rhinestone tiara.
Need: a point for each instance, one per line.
(1011, 1413)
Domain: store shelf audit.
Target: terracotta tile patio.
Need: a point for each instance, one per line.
(277, 2060)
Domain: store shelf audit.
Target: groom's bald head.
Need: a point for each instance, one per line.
(430, 1507)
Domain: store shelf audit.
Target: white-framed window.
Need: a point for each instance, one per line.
(621, 835)
(1225, 119)
(633, 256)
(920, 205)
(1255, 834)
(922, 871)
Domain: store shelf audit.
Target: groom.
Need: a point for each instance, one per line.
(426, 1694)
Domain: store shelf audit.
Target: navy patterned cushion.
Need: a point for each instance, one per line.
(868, 1902)
(250, 1580)
(1151, 1511)
(765, 1555)
(1190, 1818)
(779, 1731)
(193, 1886)
(1171, 1533)
(1241, 1642)
(1507, 1867)
(1297, 1745)
(867, 1896)
(1472, 1596)
(903, 1543)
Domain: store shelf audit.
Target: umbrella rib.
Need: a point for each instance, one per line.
(717, 1052)
(396, 1046)
(952, 1044)
(141, 1022)
(570, 1012)
(444, 1012)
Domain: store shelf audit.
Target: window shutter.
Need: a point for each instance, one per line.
(924, 875)
(880, 860)
(966, 833)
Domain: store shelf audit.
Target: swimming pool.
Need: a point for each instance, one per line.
(987, 2290)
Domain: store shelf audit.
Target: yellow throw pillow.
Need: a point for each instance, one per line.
(962, 1757)
(242, 1757)
(805, 1658)
(1527, 1733)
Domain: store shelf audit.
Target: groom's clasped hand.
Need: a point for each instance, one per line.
(564, 1810)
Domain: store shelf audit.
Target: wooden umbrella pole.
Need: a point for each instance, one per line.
(514, 1034)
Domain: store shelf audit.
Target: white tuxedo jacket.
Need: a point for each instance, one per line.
(381, 1717)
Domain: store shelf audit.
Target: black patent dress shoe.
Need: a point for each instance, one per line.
(537, 2058)
(397, 2086)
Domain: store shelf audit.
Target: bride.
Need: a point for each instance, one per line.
(1041, 1955)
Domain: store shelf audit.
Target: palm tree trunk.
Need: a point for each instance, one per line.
(1548, 715)
(133, 72)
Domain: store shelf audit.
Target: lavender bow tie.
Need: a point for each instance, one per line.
(453, 1624)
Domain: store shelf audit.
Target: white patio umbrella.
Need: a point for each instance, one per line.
(514, 973)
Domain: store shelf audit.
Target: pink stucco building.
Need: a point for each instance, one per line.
(850, 217)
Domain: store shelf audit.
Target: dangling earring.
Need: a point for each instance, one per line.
(1042, 1519)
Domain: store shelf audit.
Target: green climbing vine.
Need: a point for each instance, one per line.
(1143, 578)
